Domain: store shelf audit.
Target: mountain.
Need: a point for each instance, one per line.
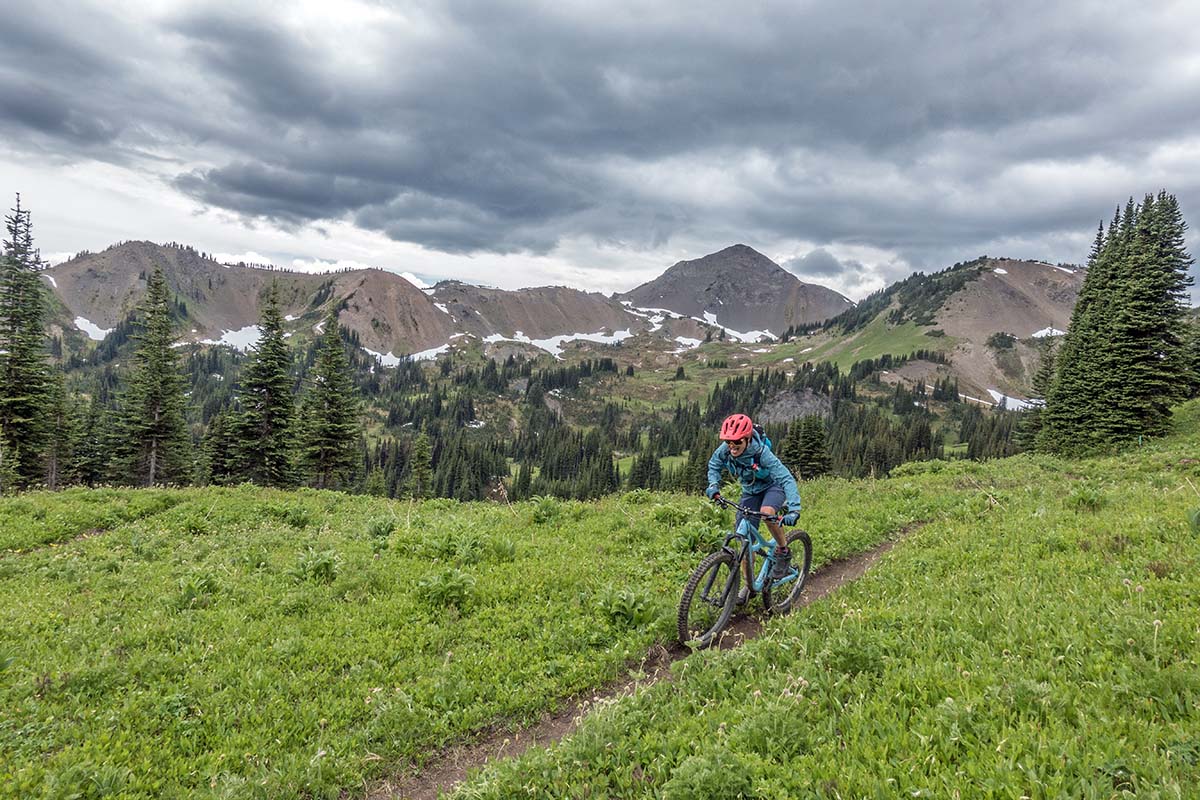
(99, 290)
(991, 317)
(739, 289)
(538, 313)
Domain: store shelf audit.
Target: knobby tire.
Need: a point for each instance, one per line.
(781, 599)
(708, 600)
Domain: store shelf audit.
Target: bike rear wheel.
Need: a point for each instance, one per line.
(708, 600)
(779, 599)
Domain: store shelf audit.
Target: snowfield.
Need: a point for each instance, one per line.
(554, 344)
(93, 331)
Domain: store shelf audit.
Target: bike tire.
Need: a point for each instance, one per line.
(781, 599)
(708, 600)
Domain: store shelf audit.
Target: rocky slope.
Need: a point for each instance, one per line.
(740, 289)
(538, 313)
(1028, 299)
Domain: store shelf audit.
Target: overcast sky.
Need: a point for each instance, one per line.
(594, 144)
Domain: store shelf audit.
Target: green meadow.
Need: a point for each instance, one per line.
(1039, 639)
(1035, 635)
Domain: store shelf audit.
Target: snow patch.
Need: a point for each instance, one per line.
(241, 339)
(806, 350)
(431, 354)
(1064, 269)
(1047, 332)
(1011, 403)
(688, 342)
(554, 344)
(788, 360)
(53, 282)
(476, 423)
(761, 350)
(291, 318)
(93, 331)
(711, 318)
(999, 271)
(442, 308)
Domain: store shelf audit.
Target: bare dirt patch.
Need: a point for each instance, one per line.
(445, 770)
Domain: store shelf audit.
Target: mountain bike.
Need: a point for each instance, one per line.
(711, 593)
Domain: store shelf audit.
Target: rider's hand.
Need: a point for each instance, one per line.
(713, 492)
(790, 518)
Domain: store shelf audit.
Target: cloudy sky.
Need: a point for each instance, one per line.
(594, 144)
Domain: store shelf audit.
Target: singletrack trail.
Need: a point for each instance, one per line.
(447, 769)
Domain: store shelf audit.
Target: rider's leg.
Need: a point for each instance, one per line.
(775, 528)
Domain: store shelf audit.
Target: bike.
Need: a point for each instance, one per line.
(711, 593)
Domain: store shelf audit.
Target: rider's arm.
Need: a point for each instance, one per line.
(782, 476)
(715, 464)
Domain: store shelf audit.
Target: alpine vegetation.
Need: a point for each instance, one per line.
(1124, 361)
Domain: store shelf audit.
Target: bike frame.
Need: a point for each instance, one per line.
(753, 542)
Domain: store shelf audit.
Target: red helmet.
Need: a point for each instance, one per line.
(736, 426)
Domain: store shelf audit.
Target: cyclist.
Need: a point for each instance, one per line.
(767, 485)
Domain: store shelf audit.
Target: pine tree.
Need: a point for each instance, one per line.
(264, 429)
(153, 445)
(1123, 360)
(219, 459)
(329, 414)
(91, 443)
(23, 369)
(420, 470)
(524, 480)
(812, 455)
(61, 465)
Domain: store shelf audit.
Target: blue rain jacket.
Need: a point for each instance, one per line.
(757, 468)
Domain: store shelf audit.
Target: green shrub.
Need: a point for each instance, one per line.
(451, 587)
(195, 591)
(670, 516)
(719, 775)
(693, 538)
(546, 509)
(625, 608)
(381, 527)
(503, 549)
(637, 497)
(1086, 498)
(1194, 520)
(195, 525)
(317, 566)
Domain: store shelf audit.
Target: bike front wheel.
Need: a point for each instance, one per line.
(708, 600)
(780, 598)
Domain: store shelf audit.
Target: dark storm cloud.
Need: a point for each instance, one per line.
(926, 130)
(820, 263)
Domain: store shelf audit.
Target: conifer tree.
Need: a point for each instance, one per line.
(812, 455)
(264, 429)
(219, 459)
(23, 368)
(524, 480)
(61, 466)
(152, 442)
(1123, 361)
(1192, 355)
(91, 443)
(420, 470)
(329, 414)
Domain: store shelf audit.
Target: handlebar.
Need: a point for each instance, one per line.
(747, 512)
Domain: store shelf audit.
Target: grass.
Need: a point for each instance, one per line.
(243, 642)
(1037, 636)
(1037, 639)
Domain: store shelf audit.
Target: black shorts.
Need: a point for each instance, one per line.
(773, 496)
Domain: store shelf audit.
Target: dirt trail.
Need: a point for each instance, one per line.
(450, 767)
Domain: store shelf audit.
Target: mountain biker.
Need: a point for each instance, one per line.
(767, 485)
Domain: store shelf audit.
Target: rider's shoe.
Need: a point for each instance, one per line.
(743, 596)
(783, 564)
